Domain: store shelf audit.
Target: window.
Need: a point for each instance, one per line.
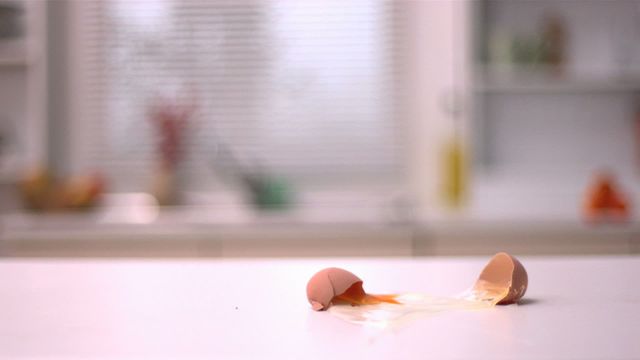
(306, 90)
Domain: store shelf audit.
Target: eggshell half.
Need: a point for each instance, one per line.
(505, 271)
(328, 283)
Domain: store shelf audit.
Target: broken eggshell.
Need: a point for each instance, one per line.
(502, 281)
(503, 274)
(327, 284)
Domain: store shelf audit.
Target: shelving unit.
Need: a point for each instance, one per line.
(541, 127)
(23, 86)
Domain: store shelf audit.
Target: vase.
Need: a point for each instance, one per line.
(165, 186)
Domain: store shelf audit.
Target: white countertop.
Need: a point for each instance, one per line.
(576, 308)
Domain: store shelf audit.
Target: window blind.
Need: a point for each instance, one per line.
(304, 89)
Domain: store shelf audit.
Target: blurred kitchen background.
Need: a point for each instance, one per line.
(166, 128)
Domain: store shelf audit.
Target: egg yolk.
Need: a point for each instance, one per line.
(355, 295)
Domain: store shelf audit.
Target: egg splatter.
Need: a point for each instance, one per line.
(502, 281)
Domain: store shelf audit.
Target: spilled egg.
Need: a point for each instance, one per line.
(503, 281)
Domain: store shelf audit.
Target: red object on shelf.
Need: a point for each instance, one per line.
(605, 202)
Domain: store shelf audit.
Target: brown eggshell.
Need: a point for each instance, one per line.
(328, 283)
(505, 271)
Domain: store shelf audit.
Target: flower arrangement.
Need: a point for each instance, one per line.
(170, 118)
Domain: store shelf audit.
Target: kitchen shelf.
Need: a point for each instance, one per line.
(544, 81)
(17, 61)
